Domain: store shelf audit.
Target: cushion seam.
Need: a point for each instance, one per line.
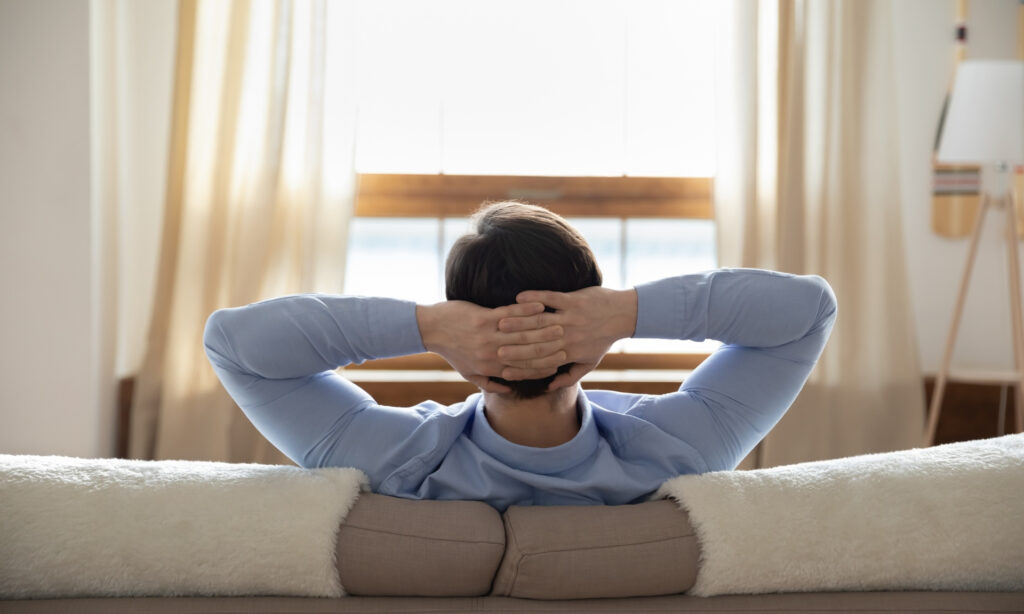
(652, 541)
(510, 535)
(439, 539)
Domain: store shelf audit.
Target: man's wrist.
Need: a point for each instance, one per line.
(426, 320)
(625, 310)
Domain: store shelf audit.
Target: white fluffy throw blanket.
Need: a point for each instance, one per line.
(77, 527)
(949, 517)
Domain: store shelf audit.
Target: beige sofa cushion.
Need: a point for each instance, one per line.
(401, 547)
(582, 552)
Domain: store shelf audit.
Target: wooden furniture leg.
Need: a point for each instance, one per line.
(1015, 307)
(958, 311)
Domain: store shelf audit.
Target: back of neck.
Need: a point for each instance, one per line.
(542, 422)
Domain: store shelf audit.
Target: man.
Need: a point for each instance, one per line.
(525, 320)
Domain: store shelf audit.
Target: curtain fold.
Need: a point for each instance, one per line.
(257, 206)
(130, 71)
(807, 182)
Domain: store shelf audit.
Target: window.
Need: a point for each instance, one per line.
(640, 229)
(601, 110)
(535, 87)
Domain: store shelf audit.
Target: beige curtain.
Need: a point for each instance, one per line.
(807, 182)
(259, 191)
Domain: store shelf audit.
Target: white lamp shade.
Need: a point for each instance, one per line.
(985, 119)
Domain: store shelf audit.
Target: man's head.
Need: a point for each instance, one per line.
(515, 247)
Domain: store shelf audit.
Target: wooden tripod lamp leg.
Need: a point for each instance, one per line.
(1016, 317)
(958, 312)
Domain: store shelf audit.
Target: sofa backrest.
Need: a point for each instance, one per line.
(400, 547)
(593, 551)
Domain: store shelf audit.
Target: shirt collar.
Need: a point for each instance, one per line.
(536, 460)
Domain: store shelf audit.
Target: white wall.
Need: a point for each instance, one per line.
(48, 393)
(70, 106)
(924, 60)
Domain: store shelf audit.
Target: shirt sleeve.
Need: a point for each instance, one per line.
(773, 326)
(277, 360)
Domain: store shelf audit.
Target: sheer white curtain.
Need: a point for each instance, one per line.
(132, 69)
(259, 192)
(807, 182)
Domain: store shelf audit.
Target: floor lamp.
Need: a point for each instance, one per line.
(984, 125)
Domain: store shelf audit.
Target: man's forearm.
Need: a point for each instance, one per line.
(300, 335)
(746, 307)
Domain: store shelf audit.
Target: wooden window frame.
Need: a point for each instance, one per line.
(442, 196)
(384, 195)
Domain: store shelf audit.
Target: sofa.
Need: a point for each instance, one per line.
(398, 555)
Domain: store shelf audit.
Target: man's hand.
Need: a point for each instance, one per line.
(591, 320)
(467, 336)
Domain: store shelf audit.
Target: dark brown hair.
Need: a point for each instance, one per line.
(515, 247)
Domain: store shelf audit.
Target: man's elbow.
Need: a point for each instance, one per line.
(827, 303)
(215, 340)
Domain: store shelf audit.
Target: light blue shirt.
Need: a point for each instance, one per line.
(277, 359)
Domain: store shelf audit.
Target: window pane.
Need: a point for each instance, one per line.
(534, 87)
(394, 257)
(605, 238)
(670, 88)
(395, 136)
(659, 248)
(398, 86)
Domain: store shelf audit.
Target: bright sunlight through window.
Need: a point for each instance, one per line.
(535, 87)
(532, 87)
